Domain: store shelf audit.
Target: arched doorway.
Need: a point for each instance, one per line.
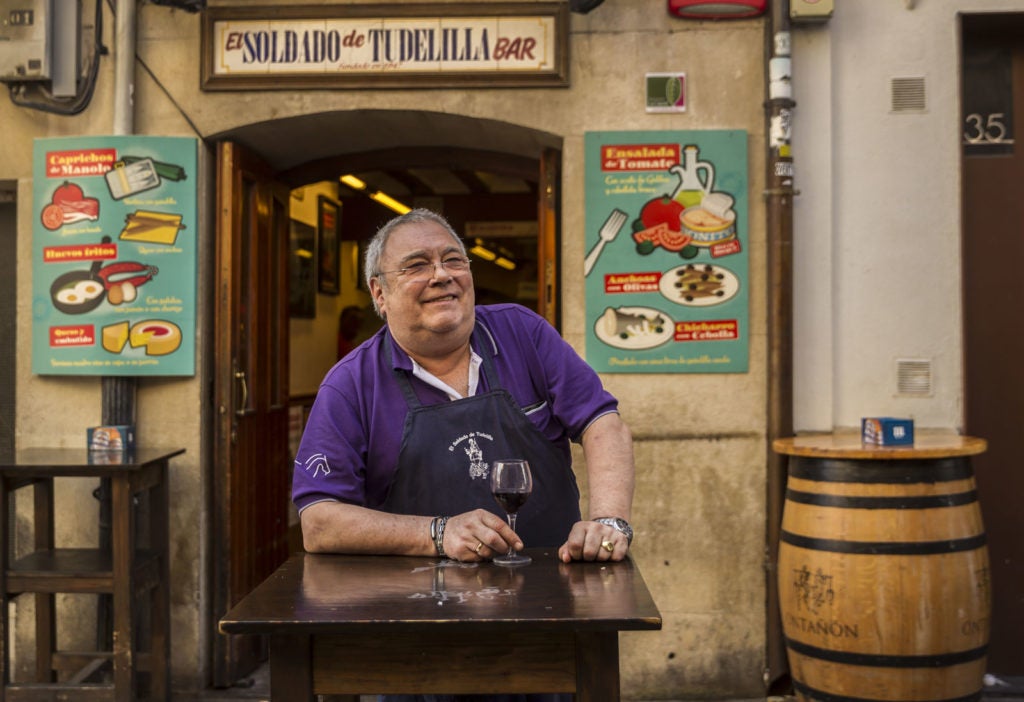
(489, 178)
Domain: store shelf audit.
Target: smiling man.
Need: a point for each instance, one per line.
(396, 452)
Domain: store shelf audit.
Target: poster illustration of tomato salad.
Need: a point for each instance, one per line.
(114, 256)
(666, 248)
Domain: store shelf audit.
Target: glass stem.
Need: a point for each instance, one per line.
(512, 523)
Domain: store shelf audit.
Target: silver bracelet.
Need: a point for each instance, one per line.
(439, 536)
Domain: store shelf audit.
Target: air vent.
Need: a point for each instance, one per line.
(914, 377)
(908, 94)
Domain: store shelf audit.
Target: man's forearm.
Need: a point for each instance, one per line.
(336, 527)
(608, 449)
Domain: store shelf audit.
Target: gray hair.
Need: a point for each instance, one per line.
(375, 249)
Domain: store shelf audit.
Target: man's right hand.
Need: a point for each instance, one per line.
(479, 536)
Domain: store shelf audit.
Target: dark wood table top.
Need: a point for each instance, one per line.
(71, 462)
(313, 593)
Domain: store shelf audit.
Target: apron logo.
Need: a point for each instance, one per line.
(478, 467)
(316, 463)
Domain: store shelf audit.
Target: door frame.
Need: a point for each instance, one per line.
(250, 370)
(544, 169)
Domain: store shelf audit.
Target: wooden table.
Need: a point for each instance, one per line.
(350, 625)
(134, 571)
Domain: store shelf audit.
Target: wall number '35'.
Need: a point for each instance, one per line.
(982, 129)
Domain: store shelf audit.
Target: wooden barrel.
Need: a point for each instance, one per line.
(883, 583)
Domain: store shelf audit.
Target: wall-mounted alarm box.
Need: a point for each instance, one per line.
(716, 9)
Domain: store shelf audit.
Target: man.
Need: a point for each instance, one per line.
(349, 322)
(384, 465)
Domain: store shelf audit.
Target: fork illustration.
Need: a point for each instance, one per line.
(609, 230)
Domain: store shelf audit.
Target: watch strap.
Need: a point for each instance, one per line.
(618, 524)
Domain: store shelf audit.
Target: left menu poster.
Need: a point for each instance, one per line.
(114, 247)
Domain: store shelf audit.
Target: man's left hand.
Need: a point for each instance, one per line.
(593, 541)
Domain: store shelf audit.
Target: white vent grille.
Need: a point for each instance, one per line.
(914, 377)
(908, 94)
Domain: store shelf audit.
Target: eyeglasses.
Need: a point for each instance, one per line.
(423, 270)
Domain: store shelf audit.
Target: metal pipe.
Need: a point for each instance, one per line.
(124, 67)
(778, 195)
(118, 393)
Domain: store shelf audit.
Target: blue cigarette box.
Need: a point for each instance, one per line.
(887, 431)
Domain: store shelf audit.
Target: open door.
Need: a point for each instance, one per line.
(252, 465)
(547, 239)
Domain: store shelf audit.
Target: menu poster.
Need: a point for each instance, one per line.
(114, 256)
(666, 251)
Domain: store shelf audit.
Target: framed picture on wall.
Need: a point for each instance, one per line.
(329, 250)
(302, 270)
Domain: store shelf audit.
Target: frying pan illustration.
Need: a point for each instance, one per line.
(78, 292)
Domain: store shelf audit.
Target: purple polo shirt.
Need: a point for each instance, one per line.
(349, 449)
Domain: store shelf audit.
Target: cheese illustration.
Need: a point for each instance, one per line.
(152, 227)
(115, 336)
(159, 337)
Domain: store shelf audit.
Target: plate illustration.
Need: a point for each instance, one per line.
(698, 284)
(634, 327)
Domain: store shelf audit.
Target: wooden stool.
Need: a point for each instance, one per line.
(134, 572)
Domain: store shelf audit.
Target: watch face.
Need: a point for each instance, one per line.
(618, 523)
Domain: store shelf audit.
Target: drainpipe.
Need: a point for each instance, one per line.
(118, 392)
(124, 68)
(778, 196)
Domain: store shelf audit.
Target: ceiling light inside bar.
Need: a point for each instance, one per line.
(353, 182)
(482, 251)
(505, 263)
(389, 201)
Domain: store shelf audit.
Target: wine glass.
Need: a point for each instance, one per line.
(511, 484)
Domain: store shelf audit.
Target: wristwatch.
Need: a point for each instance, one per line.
(618, 524)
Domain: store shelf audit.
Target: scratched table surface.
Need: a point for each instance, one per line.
(339, 593)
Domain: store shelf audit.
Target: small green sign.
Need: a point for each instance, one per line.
(666, 92)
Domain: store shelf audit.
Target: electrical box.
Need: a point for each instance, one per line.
(25, 39)
(810, 10)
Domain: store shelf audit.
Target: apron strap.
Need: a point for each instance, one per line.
(400, 375)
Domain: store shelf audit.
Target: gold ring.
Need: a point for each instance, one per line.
(479, 545)
(608, 546)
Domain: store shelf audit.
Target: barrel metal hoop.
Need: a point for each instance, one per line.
(895, 471)
(885, 548)
(884, 660)
(899, 502)
(820, 696)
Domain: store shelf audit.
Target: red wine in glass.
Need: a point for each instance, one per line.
(511, 484)
(510, 501)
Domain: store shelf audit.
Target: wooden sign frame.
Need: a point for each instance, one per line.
(288, 47)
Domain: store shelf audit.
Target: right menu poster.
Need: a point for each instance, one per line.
(666, 251)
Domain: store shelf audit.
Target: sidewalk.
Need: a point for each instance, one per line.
(257, 688)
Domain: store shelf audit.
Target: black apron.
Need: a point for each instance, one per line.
(444, 469)
(448, 449)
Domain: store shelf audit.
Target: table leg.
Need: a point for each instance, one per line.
(45, 602)
(5, 554)
(597, 666)
(160, 640)
(122, 532)
(291, 668)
